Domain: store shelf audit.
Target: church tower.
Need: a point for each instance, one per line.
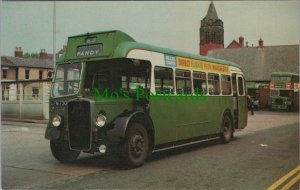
(211, 31)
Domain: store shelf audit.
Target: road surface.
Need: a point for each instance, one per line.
(261, 154)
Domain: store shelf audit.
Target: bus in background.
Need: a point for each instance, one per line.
(284, 91)
(113, 95)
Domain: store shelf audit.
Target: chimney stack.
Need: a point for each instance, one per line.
(18, 52)
(241, 41)
(261, 43)
(43, 54)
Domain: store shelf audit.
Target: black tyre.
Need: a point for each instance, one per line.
(227, 128)
(133, 152)
(62, 152)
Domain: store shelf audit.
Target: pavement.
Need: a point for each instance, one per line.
(264, 116)
(24, 122)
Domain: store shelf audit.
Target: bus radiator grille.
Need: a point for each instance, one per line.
(79, 124)
(279, 101)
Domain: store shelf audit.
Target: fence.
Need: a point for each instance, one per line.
(25, 99)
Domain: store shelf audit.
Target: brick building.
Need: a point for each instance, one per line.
(20, 68)
(235, 44)
(28, 71)
(257, 62)
(211, 31)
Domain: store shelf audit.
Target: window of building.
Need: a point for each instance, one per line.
(27, 74)
(199, 80)
(207, 37)
(4, 74)
(163, 80)
(5, 92)
(226, 84)
(40, 75)
(213, 84)
(183, 82)
(35, 92)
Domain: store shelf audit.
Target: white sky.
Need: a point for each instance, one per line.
(171, 24)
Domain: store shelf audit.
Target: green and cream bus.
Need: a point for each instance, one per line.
(284, 91)
(113, 95)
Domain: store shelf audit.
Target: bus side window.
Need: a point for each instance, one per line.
(199, 80)
(226, 84)
(163, 80)
(213, 84)
(133, 80)
(183, 81)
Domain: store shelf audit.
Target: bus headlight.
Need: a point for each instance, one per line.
(56, 120)
(100, 120)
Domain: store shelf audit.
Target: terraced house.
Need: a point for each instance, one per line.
(26, 70)
(25, 84)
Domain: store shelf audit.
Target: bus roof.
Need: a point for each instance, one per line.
(103, 32)
(118, 44)
(125, 47)
(283, 74)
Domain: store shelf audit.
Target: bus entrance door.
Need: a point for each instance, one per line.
(241, 102)
(234, 101)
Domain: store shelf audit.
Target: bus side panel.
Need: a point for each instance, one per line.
(242, 112)
(192, 118)
(216, 105)
(204, 117)
(113, 108)
(163, 114)
(177, 118)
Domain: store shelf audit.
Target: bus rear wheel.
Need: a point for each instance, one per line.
(226, 128)
(62, 152)
(133, 152)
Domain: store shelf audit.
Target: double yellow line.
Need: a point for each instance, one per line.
(289, 184)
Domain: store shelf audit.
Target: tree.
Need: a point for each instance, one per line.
(26, 55)
(31, 55)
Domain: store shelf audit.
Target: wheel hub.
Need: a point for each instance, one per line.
(226, 128)
(137, 145)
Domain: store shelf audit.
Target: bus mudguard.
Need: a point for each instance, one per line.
(117, 128)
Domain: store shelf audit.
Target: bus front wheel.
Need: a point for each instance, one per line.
(133, 151)
(226, 128)
(62, 152)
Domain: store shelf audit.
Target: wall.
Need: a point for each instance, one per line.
(11, 73)
(264, 96)
(33, 73)
(206, 47)
(21, 105)
(234, 45)
(296, 101)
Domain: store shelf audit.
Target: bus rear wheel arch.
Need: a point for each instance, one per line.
(227, 128)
